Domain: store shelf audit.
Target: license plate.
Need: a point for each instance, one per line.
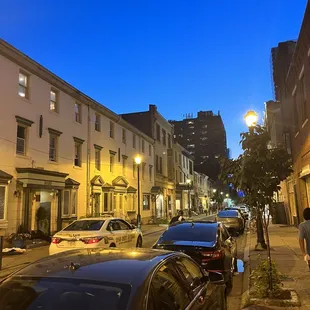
(71, 243)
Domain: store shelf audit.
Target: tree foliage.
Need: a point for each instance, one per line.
(259, 170)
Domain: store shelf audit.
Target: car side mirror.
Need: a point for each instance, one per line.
(216, 278)
(228, 241)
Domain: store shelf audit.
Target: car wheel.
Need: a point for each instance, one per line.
(139, 242)
(112, 245)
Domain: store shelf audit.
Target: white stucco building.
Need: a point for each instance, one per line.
(64, 152)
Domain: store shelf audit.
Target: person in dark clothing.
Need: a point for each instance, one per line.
(304, 236)
(178, 217)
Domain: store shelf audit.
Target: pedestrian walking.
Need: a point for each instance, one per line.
(178, 218)
(304, 236)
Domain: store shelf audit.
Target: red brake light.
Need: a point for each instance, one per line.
(213, 255)
(56, 240)
(92, 240)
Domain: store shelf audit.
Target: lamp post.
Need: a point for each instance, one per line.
(188, 182)
(138, 161)
(251, 119)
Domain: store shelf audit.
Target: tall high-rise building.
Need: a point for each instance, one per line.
(205, 138)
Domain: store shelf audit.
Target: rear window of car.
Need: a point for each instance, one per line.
(62, 294)
(191, 232)
(85, 225)
(228, 213)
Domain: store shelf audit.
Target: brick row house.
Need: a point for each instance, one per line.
(291, 109)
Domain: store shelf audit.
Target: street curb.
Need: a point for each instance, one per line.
(247, 272)
(154, 232)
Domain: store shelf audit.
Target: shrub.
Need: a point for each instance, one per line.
(260, 278)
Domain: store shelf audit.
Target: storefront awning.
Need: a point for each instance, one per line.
(41, 178)
(5, 177)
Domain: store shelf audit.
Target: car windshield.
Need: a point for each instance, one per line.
(85, 225)
(201, 232)
(62, 294)
(228, 213)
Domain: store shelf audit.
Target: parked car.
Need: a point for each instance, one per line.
(96, 232)
(113, 279)
(208, 243)
(242, 213)
(233, 221)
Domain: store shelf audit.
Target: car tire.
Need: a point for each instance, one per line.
(112, 245)
(139, 242)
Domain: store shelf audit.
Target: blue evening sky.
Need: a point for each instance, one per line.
(184, 56)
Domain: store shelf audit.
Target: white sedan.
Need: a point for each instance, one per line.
(96, 232)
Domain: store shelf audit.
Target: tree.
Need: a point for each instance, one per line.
(258, 173)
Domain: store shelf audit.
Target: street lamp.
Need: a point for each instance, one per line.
(227, 195)
(188, 182)
(214, 190)
(251, 119)
(222, 193)
(138, 161)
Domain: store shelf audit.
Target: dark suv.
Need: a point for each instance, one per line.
(208, 243)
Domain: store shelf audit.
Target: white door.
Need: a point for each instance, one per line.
(120, 236)
(131, 233)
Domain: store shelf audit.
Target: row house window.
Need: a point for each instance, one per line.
(134, 170)
(53, 144)
(112, 130)
(70, 202)
(23, 85)
(146, 202)
(143, 171)
(97, 122)
(54, 101)
(78, 112)
(112, 161)
(159, 164)
(164, 139)
(98, 149)
(169, 140)
(23, 126)
(124, 136)
(142, 146)
(151, 172)
(78, 151)
(124, 165)
(134, 142)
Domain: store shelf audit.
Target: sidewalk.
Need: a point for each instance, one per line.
(289, 260)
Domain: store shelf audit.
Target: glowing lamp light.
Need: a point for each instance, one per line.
(251, 118)
(138, 160)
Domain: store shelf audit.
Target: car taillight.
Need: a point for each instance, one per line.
(92, 240)
(213, 255)
(56, 240)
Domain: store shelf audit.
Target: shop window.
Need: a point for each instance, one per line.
(146, 202)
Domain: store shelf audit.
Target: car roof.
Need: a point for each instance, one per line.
(98, 218)
(228, 213)
(112, 265)
(188, 222)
